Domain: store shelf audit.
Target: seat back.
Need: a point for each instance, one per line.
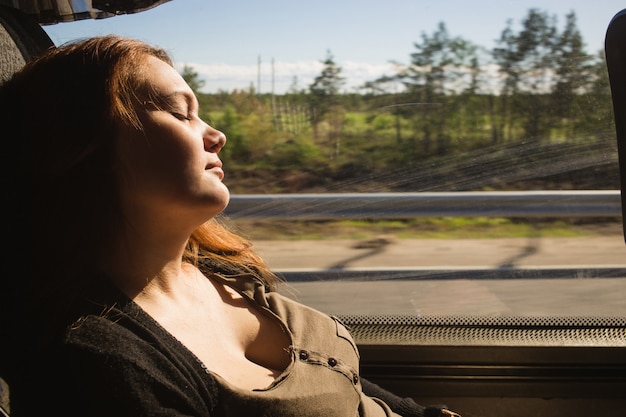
(21, 39)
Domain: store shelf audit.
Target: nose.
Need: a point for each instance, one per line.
(214, 140)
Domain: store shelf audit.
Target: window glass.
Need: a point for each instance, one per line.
(451, 158)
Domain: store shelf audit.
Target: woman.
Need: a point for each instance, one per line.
(134, 300)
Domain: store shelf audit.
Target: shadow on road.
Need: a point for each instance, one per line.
(376, 246)
(530, 249)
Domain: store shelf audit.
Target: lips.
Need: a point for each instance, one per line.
(216, 167)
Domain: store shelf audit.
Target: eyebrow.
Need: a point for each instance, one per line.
(189, 98)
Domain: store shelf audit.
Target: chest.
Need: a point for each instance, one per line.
(243, 344)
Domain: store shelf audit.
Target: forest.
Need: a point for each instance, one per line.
(534, 112)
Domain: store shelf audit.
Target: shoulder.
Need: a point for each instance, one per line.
(119, 363)
(124, 341)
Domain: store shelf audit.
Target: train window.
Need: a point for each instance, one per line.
(476, 141)
(439, 166)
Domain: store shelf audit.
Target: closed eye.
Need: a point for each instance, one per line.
(181, 116)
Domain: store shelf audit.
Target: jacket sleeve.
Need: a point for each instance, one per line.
(406, 407)
(106, 373)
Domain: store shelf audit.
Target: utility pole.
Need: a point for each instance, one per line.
(274, 100)
(258, 85)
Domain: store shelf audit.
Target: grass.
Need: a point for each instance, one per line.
(425, 228)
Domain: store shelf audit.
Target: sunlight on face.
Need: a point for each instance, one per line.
(171, 167)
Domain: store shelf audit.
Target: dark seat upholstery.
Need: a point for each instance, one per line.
(21, 39)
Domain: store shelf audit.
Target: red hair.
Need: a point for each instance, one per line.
(61, 114)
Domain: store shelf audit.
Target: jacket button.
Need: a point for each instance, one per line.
(332, 361)
(355, 379)
(303, 355)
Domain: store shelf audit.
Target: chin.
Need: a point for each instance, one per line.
(221, 200)
(225, 203)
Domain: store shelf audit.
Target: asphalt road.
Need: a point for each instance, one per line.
(423, 253)
(575, 295)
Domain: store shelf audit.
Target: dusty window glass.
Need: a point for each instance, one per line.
(449, 159)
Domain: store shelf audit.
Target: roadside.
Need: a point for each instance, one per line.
(464, 296)
(388, 251)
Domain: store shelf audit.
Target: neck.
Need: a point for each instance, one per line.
(142, 262)
(148, 252)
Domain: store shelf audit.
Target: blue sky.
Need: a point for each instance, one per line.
(225, 40)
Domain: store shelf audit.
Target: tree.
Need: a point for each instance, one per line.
(230, 123)
(192, 78)
(573, 72)
(328, 84)
(505, 56)
(324, 91)
(526, 62)
(595, 106)
(438, 72)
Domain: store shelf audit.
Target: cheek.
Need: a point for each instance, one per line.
(170, 143)
(160, 162)
(134, 164)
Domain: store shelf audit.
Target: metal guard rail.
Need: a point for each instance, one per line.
(586, 203)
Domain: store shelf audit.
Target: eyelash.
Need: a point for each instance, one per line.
(182, 116)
